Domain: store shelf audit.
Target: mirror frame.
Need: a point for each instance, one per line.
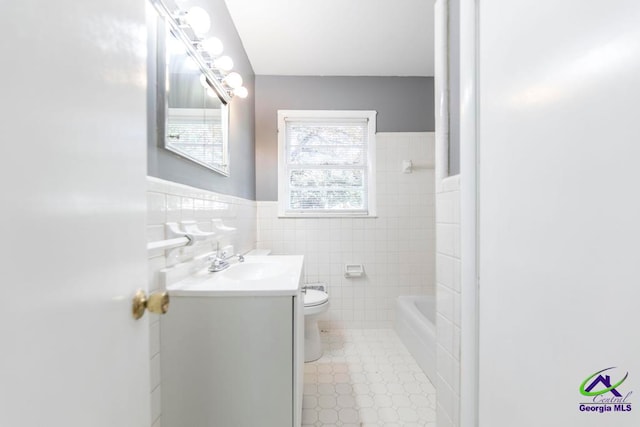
(166, 25)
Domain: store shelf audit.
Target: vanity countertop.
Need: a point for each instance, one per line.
(273, 275)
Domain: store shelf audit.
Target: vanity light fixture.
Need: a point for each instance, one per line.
(193, 26)
(203, 81)
(241, 92)
(198, 19)
(213, 46)
(233, 80)
(224, 63)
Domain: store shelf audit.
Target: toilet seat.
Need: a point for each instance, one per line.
(313, 297)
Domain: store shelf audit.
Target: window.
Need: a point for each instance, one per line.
(326, 163)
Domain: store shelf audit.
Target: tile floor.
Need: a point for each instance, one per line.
(366, 378)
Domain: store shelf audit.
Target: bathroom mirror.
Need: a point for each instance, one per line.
(194, 114)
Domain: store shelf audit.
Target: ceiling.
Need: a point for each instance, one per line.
(336, 37)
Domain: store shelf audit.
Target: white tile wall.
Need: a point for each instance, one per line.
(397, 248)
(448, 301)
(171, 202)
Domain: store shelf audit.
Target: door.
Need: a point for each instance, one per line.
(559, 213)
(72, 223)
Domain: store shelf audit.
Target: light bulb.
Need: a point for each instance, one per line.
(198, 19)
(213, 46)
(241, 91)
(211, 93)
(233, 80)
(224, 63)
(203, 81)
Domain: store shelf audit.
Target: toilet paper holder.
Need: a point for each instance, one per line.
(353, 270)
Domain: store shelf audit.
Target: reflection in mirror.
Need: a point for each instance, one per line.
(196, 122)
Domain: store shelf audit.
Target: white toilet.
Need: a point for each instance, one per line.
(315, 303)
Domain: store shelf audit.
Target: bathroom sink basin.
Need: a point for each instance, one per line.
(273, 275)
(254, 271)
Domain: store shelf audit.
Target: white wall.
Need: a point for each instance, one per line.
(559, 208)
(448, 228)
(172, 202)
(396, 248)
(448, 292)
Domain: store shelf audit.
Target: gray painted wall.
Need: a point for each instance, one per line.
(167, 165)
(404, 104)
(454, 87)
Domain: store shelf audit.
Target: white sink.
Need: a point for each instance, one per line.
(257, 275)
(254, 270)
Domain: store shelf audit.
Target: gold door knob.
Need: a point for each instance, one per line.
(158, 302)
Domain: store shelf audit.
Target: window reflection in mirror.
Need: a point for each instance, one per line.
(196, 118)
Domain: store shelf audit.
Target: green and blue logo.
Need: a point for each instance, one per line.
(604, 393)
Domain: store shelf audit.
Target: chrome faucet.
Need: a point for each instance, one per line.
(221, 261)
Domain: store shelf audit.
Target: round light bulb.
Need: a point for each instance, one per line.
(203, 81)
(224, 63)
(233, 80)
(213, 46)
(211, 93)
(241, 92)
(198, 19)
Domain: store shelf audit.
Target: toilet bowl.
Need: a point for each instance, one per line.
(315, 303)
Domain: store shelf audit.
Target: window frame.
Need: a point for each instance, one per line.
(370, 169)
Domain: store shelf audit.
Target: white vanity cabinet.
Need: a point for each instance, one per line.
(232, 358)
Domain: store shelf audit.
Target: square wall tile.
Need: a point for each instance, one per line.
(397, 248)
(156, 209)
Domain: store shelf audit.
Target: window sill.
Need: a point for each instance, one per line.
(326, 215)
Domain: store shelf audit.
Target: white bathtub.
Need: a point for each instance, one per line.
(416, 326)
